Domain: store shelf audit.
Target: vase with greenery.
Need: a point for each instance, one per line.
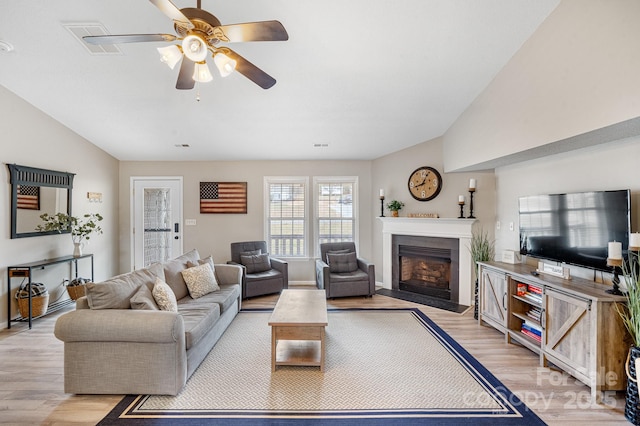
(630, 313)
(482, 250)
(394, 206)
(81, 228)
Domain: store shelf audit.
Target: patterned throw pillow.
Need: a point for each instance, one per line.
(200, 280)
(256, 263)
(164, 296)
(342, 262)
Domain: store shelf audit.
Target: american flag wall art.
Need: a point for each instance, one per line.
(223, 197)
(28, 197)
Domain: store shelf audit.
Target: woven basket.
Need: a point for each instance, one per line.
(39, 305)
(76, 291)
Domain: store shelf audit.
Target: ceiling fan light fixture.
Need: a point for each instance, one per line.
(201, 73)
(170, 55)
(194, 48)
(225, 64)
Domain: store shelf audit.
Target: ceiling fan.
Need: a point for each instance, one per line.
(200, 33)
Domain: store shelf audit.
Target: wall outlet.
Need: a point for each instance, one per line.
(510, 226)
(189, 222)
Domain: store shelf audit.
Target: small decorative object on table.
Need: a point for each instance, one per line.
(614, 259)
(382, 203)
(81, 229)
(394, 206)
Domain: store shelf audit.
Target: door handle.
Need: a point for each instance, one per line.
(176, 229)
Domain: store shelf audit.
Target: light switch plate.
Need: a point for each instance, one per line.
(189, 222)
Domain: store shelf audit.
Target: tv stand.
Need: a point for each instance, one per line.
(572, 324)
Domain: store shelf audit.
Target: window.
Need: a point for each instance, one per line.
(335, 212)
(286, 218)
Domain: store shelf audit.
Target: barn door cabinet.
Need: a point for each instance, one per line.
(493, 297)
(571, 324)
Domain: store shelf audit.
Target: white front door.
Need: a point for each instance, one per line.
(156, 222)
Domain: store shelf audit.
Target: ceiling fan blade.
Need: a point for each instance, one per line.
(172, 11)
(128, 38)
(250, 71)
(252, 31)
(185, 76)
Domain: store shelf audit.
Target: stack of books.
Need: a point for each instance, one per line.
(535, 314)
(533, 294)
(532, 330)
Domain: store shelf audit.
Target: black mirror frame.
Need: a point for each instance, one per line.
(23, 175)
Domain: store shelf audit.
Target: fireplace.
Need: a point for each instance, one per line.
(448, 233)
(426, 265)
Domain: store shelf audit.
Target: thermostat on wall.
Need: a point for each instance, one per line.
(511, 256)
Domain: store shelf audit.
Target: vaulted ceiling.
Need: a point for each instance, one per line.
(357, 79)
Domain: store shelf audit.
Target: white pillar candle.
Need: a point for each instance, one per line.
(382, 192)
(615, 250)
(472, 183)
(461, 198)
(634, 239)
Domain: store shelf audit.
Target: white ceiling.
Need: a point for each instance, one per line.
(365, 77)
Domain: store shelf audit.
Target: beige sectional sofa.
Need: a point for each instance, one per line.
(119, 341)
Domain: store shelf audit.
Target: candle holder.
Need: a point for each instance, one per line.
(382, 206)
(615, 265)
(461, 203)
(471, 191)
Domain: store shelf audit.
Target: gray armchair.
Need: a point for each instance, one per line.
(341, 273)
(261, 273)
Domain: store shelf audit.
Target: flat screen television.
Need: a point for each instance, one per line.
(575, 228)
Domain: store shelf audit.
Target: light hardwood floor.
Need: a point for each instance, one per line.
(31, 372)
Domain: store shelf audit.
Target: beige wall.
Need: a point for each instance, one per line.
(577, 73)
(214, 232)
(33, 139)
(392, 172)
(605, 167)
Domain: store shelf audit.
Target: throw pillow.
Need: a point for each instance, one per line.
(343, 251)
(200, 280)
(143, 299)
(116, 292)
(342, 262)
(256, 263)
(251, 252)
(164, 297)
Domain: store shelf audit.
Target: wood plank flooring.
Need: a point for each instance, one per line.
(31, 372)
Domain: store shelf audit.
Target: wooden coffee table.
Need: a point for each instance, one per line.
(298, 328)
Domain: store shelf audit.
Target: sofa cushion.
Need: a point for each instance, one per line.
(143, 298)
(342, 262)
(173, 272)
(200, 280)
(256, 263)
(226, 296)
(116, 293)
(164, 297)
(198, 318)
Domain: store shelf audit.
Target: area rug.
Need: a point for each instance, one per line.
(383, 367)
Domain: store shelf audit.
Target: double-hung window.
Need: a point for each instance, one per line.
(335, 217)
(287, 219)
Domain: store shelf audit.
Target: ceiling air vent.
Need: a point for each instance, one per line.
(93, 29)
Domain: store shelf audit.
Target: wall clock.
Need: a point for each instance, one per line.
(425, 183)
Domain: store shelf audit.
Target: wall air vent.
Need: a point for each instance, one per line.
(92, 29)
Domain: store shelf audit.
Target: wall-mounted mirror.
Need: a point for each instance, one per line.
(35, 192)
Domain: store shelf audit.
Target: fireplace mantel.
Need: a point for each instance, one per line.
(462, 229)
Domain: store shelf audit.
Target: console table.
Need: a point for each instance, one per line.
(572, 324)
(26, 270)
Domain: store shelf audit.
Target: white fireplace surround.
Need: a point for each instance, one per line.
(462, 229)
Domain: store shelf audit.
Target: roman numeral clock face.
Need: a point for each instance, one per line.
(425, 183)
